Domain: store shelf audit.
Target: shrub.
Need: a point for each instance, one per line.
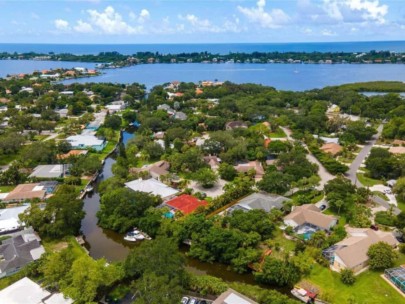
(384, 218)
(347, 277)
(206, 284)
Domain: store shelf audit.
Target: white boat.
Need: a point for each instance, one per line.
(89, 189)
(130, 238)
(140, 237)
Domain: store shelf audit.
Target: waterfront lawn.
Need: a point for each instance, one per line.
(369, 288)
(367, 181)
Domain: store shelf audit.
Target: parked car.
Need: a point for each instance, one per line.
(193, 301)
(374, 227)
(322, 207)
(184, 300)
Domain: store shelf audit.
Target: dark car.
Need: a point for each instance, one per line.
(374, 227)
(322, 207)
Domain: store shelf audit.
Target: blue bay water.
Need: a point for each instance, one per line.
(296, 77)
(28, 66)
(218, 48)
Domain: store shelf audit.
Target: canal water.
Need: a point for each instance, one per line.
(105, 243)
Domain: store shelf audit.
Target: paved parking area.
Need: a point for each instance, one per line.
(213, 192)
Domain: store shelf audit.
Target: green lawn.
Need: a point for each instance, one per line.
(278, 134)
(368, 182)
(369, 288)
(8, 158)
(6, 189)
(401, 204)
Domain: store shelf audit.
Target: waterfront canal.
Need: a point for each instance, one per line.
(111, 245)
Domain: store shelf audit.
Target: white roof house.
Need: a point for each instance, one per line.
(9, 220)
(86, 141)
(26, 291)
(152, 186)
(49, 171)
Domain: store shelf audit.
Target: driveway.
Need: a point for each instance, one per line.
(354, 167)
(387, 192)
(322, 172)
(211, 192)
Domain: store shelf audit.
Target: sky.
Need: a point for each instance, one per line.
(200, 21)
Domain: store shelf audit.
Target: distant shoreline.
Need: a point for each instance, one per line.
(105, 60)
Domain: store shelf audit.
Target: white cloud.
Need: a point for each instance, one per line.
(356, 10)
(83, 27)
(196, 24)
(61, 24)
(326, 32)
(144, 15)
(111, 22)
(267, 19)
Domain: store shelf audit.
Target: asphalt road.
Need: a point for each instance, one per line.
(351, 174)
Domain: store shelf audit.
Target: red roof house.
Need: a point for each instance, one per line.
(185, 203)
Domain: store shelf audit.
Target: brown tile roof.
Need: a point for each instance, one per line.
(310, 214)
(332, 148)
(354, 248)
(255, 165)
(397, 150)
(25, 191)
(71, 153)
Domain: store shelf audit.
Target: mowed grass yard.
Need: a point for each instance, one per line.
(369, 288)
(368, 182)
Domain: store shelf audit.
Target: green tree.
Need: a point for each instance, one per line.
(87, 276)
(399, 188)
(61, 217)
(347, 277)
(122, 208)
(227, 172)
(160, 256)
(275, 182)
(205, 177)
(278, 272)
(381, 256)
(152, 289)
(112, 122)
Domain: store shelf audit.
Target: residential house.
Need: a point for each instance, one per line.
(213, 161)
(62, 112)
(156, 170)
(235, 125)
(332, 148)
(26, 291)
(19, 251)
(180, 116)
(262, 201)
(87, 142)
(252, 165)
(307, 219)
(233, 297)
(26, 192)
(351, 253)
(397, 150)
(49, 171)
(9, 220)
(152, 186)
(184, 203)
(72, 153)
(116, 106)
